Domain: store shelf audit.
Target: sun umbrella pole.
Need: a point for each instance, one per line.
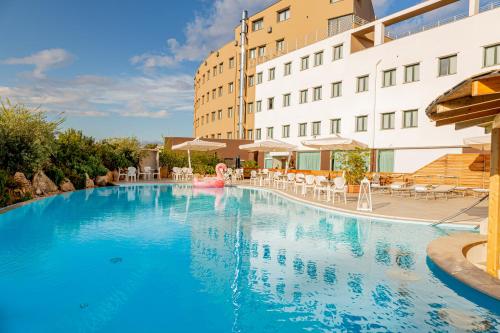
(288, 162)
(189, 158)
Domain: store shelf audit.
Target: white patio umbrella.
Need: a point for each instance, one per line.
(271, 146)
(334, 143)
(482, 143)
(198, 145)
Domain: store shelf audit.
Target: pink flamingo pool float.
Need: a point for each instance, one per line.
(217, 182)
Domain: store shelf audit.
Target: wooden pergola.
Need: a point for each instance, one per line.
(476, 102)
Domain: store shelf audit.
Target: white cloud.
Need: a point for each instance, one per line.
(208, 31)
(156, 96)
(43, 61)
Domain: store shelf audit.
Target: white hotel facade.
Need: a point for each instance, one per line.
(376, 95)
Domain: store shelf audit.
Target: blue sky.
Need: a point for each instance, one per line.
(117, 67)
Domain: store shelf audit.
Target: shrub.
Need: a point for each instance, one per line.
(250, 164)
(55, 174)
(4, 194)
(201, 162)
(354, 162)
(116, 153)
(27, 138)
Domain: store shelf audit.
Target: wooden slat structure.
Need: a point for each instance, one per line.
(476, 102)
(469, 170)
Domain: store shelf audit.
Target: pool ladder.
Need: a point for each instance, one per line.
(461, 212)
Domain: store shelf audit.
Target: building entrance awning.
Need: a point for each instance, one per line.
(334, 143)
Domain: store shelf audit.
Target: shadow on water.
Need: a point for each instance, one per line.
(464, 290)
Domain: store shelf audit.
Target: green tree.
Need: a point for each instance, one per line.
(118, 153)
(27, 138)
(354, 165)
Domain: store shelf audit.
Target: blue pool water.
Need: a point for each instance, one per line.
(167, 259)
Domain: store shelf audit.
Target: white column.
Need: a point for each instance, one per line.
(379, 33)
(473, 7)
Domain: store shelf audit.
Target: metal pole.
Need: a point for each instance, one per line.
(189, 158)
(243, 56)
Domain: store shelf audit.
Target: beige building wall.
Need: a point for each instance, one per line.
(307, 23)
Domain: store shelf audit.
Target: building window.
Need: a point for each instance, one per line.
(208, 75)
(389, 78)
(448, 65)
(262, 51)
(258, 24)
(304, 63)
(230, 87)
(387, 121)
(270, 103)
(252, 54)
(251, 81)
(220, 91)
(412, 73)
(303, 96)
(250, 134)
(309, 160)
(260, 75)
(285, 131)
(271, 74)
(229, 135)
(230, 112)
(202, 120)
(219, 114)
(410, 119)
(250, 108)
(492, 55)
(270, 133)
(286, 100)
(318, 58)
(317, 92)
(231, 62)
(258, 134)
(337, 89)
(213, 116)
(219, 136)
(287, 69)
(283, 15)
(207, 118)
(335, 126)
(280, 45)
(361, 124)
(215, 74)
(212, 136)
(258, 106)
(362, 84)
(316, 128)
(338, 52)
(214, 93)
(385, 160)
(221, 68)
(303, 129)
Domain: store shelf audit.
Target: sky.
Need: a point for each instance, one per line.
(120, 67)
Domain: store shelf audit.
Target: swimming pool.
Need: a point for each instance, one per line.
(172, 259)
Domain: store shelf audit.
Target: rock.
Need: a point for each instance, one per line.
(67, 185)
(23, 186)
(89, 183)
(43, 185)
(111, 176)
(101, 181)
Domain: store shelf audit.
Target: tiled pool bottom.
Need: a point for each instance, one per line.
(164, 258)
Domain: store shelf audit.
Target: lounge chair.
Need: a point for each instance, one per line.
(422, 189)
(401, 188)
(444, 190)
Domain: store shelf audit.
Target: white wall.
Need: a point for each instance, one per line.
(466, 38)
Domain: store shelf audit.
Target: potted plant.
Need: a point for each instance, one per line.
(354, 162)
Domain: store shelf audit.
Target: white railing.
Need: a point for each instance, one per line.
(490, 6)
(396, 35)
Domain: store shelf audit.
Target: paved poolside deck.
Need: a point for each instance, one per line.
(395, 207)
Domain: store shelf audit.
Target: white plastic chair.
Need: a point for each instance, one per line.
(176, 173)
(269, 178)
(321, 185)
(156, 173)
(131, 174)
(290, 180)
(146, 173)
(308, 184)
(299, 180)
(188, 175)
(276, 179)
(122, 173)
(253, 178)
(339, 187)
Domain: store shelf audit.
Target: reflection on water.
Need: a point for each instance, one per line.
(239, 260)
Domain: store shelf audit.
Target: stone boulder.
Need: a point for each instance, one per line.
(101, 181)
(66, 186)
(89, 183)
(42, 184)
(23, 186)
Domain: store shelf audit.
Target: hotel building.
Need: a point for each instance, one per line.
(365, 84)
